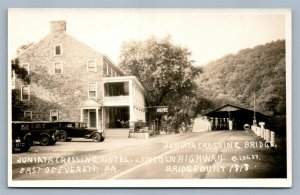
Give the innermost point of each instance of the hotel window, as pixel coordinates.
(104, 68)
(92, 90)
(112, 72)
(109, 71)
(91, 66)
(25, 93)
(28, 115)
(54, 115)
(58, 49)
(58, 67)
(26, 67)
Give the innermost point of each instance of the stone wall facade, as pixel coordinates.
(65, 90)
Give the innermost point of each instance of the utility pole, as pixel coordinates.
(254, 115)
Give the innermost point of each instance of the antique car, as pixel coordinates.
(21, 136)
(44, 132)
(69, 130)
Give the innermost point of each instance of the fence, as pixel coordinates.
(265, 134)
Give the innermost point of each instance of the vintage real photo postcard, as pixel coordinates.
(149, 97)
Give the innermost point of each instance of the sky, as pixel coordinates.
(208, 33)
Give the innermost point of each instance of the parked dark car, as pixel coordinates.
(44, 132)
(69, 130)
(21, 136)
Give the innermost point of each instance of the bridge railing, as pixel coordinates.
(265, 134)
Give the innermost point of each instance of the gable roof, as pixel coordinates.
(74, 39)
(231, 108)
(90, 104)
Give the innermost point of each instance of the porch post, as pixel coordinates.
(131, 111)
(102, 116)
(97, 119)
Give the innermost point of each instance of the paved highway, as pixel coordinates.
(204, 155)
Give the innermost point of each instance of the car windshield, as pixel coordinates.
(70, 125)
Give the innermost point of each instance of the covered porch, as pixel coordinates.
(91, 114)
(116, 117)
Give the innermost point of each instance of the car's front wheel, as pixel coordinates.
(96, 137)
(45, 140)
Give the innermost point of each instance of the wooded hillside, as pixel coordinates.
(237, 78)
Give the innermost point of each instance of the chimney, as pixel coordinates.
(58, 26)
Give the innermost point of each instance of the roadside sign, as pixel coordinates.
(162, 109)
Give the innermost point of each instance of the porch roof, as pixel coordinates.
(91, 104)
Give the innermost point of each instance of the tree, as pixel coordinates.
(165, 70)
(20, 72)
(235, 79)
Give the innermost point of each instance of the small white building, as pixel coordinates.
(123, 101)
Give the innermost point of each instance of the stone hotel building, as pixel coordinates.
(74, 82)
